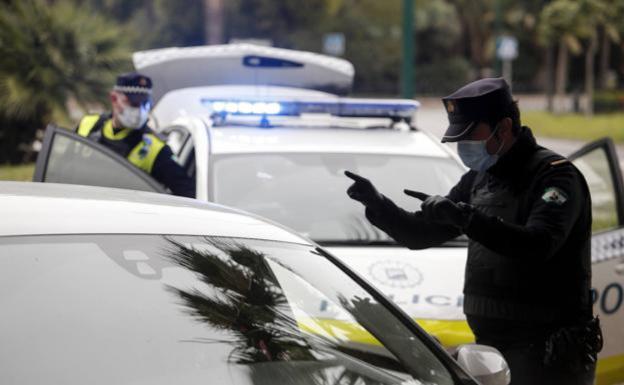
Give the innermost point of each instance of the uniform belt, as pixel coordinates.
(505, 309)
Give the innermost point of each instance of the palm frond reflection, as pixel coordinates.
(246, 301)
(240, 296)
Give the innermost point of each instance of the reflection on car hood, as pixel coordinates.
(426, 284)
(48, 208)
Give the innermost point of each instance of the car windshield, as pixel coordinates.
(135, 309)
(307, 192)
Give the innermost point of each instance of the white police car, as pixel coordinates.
(254, 138)
(110, 286)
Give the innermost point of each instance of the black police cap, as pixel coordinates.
(137, 87)
(484, 100)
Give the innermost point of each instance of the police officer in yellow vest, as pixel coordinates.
(125, 131)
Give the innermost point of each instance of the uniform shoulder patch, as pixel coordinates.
(554, 195)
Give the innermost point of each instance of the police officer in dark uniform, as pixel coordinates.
(527, 214)
(125, 131)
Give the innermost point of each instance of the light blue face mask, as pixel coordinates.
(474, 153)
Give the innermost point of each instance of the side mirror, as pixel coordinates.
(484, 363)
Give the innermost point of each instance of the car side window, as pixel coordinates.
(596, 165)
(67, 158)
(180, 140)
(177, 136)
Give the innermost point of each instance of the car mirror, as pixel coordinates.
(485, 363)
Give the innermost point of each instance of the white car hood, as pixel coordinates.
(426, 284)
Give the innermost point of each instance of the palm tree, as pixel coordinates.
(573, 22)
(612, 31)
(55, 52)
(477, 18)
(559, 24)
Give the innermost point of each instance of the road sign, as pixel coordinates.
(334, 44)
(507, 47)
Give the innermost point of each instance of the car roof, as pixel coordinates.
(383, 141)
(31, 208)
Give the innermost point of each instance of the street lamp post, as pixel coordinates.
(407, 71)
(498, 31)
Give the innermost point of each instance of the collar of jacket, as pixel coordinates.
(513, 164)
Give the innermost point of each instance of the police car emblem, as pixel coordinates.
(395, 274)
(554, 195)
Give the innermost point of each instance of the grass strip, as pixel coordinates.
(22, 172)
(575, 126)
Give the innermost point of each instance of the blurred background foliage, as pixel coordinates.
(59, 58)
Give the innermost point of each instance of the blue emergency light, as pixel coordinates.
(343, 107)
(245, 108)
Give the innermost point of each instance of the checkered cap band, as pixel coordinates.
(133, 89)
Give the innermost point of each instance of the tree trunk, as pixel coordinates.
(589, 75)
(562, 74)
(476, 35)
(605, 55)
(550, 78)
(475, 46)
(213, 21)
(621, 61)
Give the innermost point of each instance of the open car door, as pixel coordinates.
(67, 157)
(598, 162)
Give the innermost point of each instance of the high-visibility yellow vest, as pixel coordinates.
(143, 155)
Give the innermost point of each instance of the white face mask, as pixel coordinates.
(133, 117)
(474, 154)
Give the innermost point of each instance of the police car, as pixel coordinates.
(110, 286)
(270, 131)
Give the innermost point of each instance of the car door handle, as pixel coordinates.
(619, 269)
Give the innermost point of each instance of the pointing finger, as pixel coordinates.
(416, 194)
(355, 177)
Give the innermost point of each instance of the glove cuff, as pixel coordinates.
(467, 211)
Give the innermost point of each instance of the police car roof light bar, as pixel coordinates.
(398, 109)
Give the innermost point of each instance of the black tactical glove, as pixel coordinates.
(363, 191)
(442, 210)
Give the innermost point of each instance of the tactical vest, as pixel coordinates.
(507, 288)
(100, 128)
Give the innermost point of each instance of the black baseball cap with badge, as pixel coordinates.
(484, 100)
(137, 87)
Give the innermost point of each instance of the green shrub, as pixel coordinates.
(609, 101)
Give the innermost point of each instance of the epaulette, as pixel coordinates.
(559, 162)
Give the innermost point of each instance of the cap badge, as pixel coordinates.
(450, 106)
(142, 82)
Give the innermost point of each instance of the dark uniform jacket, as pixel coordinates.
(529, 240)
(141, 147)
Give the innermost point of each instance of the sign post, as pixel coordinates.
(407, 68)
(507, 51)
